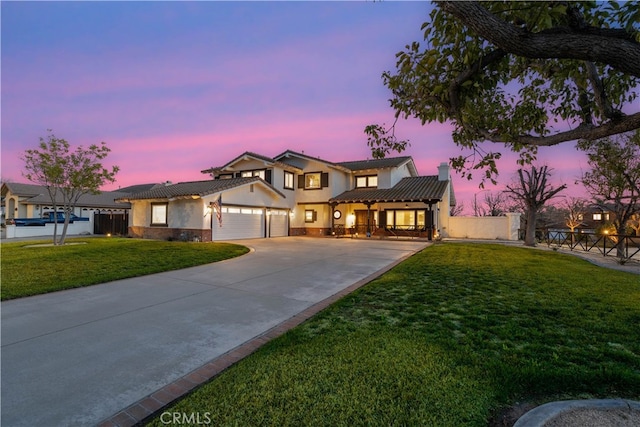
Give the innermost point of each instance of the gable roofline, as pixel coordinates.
(197, 189)
(384, 163)
(291, 153)
(268, 161)
(23, 190)
(358, 165)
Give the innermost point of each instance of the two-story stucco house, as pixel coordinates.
(254, 196)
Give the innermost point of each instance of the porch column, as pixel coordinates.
(368, 204)
(430, 219)
(333, 219)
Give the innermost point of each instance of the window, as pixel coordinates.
(312, 180)
(366, 181)
(406, 219)
(159, 214)
(288, 180)
(310, 215)
(597, 217)
(248, 174)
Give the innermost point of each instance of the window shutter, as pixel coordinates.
(429, 218)
(267, 176)
(315, 216)
(382, 219)
(300, 181)
(324, 180)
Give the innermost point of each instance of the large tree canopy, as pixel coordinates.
(521, 73)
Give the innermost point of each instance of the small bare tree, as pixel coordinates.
(533, 190)
(576, 209)
(494, 204)
(457, 209)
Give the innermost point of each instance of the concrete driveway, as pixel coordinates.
(76, 358)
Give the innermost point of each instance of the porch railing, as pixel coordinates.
(621, 246)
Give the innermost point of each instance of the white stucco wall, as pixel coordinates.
(396, 175)
(78, 227)
(484, 227)
(255, 195)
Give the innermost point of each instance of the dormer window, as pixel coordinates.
(262, 173)
(368, 181)
(249, 174)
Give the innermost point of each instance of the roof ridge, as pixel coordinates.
(374, 160)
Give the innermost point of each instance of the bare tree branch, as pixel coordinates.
(584, 44)
(585, 131)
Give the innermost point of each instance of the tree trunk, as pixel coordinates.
(621, 231)
(67, 217)
(55, 224)
(530, 233)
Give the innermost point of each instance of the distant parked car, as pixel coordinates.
(47, 218)
(60, 217)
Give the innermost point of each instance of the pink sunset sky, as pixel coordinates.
(177, 87)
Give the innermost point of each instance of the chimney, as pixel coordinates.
(443, 172)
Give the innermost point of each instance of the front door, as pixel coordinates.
(362, 222)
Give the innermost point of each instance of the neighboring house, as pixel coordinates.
(104, 214)
(32, 201)
(254, 196)
(597, 216)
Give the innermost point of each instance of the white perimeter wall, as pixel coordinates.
(78, 227)
(484, 227)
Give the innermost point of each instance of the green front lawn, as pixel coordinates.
(29, 269)
(451, 337)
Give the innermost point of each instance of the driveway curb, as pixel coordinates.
(160, 399)
(554, 411)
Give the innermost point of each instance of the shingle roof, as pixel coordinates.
(105, 199)
(185, 190)
(411, 189)
(23, 189)
(38, 195)
(137, 188)
(390, 162)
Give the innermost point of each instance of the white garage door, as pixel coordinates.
(279, 226)
(239, 223)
